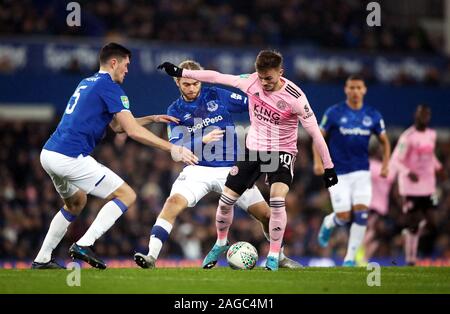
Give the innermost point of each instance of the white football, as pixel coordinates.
(242, 255)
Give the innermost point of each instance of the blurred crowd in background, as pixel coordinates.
(28, 202)
(323, 23)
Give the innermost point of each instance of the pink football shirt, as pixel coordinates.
(380, 187)
(274, 116)
(415, 153)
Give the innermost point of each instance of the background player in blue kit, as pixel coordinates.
(205, 115)
(348, 126)
(97, 102)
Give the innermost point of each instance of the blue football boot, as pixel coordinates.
(324, 235)
(213, 256)
(86, 254)
(272, 263)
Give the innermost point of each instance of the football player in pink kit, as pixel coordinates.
(417, 165)
(275, 107)
(379, 204)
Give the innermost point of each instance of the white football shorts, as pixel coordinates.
(352, 188)
(194, 182)
(71, 174)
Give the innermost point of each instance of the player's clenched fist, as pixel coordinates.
(181, 153)
(171, 69)
(330, 177)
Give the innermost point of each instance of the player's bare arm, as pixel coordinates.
(384, 141)
(143, 121)
(144, 136)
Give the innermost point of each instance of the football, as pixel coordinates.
(242, 255)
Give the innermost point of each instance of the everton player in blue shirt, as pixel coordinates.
(207, 128)
(97, 102)
(348, 126)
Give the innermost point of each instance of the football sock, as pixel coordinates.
(224, 218)
(56, 232)
(159, 234)
(356, 236)
(106, 217)
(332, 220)
(277, 225)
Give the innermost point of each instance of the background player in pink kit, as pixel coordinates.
(417, 165)
(275, 107)
(379, 204)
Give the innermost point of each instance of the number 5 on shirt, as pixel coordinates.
(71, 107)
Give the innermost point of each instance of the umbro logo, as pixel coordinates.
(221, 221)
(256, 94)
(276, 229)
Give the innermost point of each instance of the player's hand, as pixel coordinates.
(213, 136)
(330, 177)
(181, 153)
(163, 118)
(384, 171)
(413, 177)
(318, 169)
(171, 69)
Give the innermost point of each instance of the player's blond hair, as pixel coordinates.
(189, 65)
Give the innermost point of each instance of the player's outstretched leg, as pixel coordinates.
(277, 226)
(261, 212)
(224, 218)
(122, 198)
(160, 232)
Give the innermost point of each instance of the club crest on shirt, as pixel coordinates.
(367, 121)
(282, 105)
(212, 106)
(125, 101)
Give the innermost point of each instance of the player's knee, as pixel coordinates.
(174, 203)
(344, 216)
(131, 196)
(76, 204)
(126, 194)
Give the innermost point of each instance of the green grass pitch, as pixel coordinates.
(225, 280)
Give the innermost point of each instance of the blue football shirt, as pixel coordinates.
(88, 113)
(213, 108)
(348, 134)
